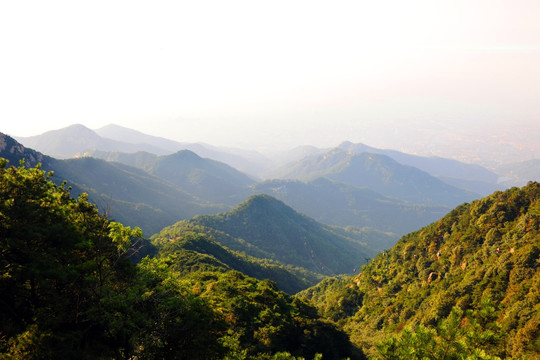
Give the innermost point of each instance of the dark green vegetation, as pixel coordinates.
(191, 251)
(69, 290)
(467, 285)
(76, 284)
(129, 195)
(265, 227)
(206, 179)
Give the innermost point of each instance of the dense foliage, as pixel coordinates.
(130, 195)
(486, 249)
(76, 284)
(62, 266)
(189, 252)
(69, 290)
(265, 227)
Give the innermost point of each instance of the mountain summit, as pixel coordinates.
(74, 139)
(377, 172)
(263, 226)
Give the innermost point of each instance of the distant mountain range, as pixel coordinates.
(130, 195)
(340, 204)
(518, 174)
(352, 185)
(377, 172)
(327, 201)
(207, 179)
(470, 177)
(75, 140)
(67, 142)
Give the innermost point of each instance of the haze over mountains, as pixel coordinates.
(352, 185)
(310, 227)
(265, 227)
(377, 172)
(75, 140)
(247, 180)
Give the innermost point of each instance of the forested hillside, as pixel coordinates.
(468, 284)
(78, 283)
(127, 194)
(206, 179)
(192, 251)
(69, 291)
(265, 227)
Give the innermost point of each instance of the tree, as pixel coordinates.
(461, 336)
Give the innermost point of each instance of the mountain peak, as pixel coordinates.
(263, 202)
(186, 154)
(356, 148)
(75, 129)
(271, 226)
(345, 143)
(121, 133)
(14, 151)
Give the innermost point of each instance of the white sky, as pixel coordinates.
(268, 72)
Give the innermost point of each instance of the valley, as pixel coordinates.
(343, 251)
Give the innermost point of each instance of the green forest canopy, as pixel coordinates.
(465, 287)
(479, 263)
(69, 290)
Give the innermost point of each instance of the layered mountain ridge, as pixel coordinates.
(377, 172)
(265, 227)
(464, 285)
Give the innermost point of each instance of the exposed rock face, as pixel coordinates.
(14, 152)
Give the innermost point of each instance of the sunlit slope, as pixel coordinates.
(265, 227)
(188, 252)
(490, 247)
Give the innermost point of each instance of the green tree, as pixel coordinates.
(70, 291)
(461, 336)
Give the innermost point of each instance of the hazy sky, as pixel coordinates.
(262, 72)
